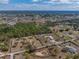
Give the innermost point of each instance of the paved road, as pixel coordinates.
(12, 54)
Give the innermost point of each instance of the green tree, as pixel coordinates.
(76, 56)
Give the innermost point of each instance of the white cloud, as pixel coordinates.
(35, 0)
(58, 1)
(48, 6)
(64, 1)
(4, 1)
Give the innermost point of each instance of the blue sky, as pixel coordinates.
(39, 5)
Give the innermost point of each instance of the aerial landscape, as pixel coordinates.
(39, 29)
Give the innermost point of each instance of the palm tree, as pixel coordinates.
(68, 56)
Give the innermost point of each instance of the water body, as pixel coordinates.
(39, 12)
